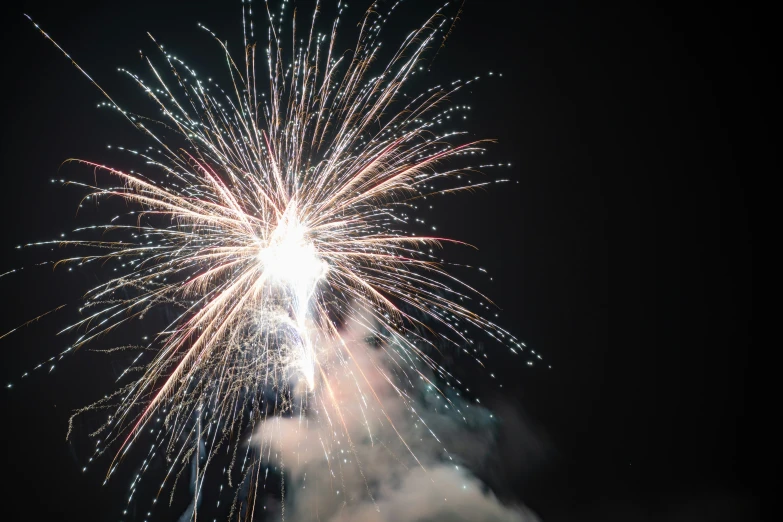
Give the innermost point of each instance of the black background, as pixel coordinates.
(623, 253)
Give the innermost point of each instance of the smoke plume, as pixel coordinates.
(369, 450)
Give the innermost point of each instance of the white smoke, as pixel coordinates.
(375, 452)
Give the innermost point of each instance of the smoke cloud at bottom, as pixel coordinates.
(370, 450)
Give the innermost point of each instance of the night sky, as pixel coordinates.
(620, 251)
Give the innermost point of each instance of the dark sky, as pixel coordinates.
(622, 254)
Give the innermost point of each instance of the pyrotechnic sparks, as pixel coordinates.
(268, 211)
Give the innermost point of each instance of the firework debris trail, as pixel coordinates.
(269, 211)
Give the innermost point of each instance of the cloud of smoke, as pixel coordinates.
(371, 451)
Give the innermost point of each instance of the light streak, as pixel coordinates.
(268, 211)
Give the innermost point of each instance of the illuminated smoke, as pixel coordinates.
(385, 463)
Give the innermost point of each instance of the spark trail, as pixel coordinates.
(268, 212)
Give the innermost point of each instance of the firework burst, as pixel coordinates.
(268, 212)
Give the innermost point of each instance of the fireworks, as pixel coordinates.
(267, 212)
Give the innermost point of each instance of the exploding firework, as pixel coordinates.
(268, 212)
